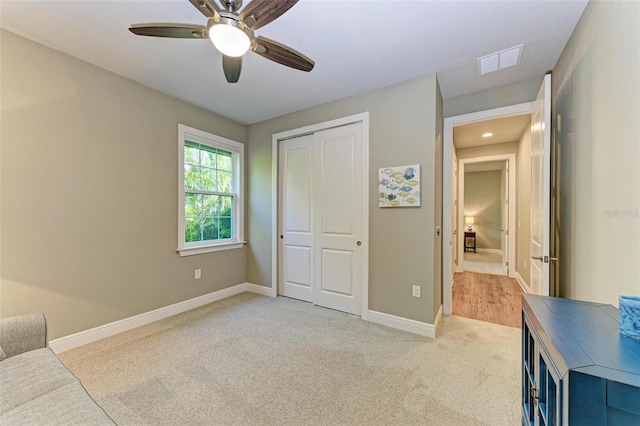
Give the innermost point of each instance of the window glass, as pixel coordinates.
(210, 190)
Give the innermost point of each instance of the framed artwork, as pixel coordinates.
(399, 186)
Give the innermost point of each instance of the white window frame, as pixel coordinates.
(237, 150)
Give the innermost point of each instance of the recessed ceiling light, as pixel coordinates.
(487, 135)
(500, 60)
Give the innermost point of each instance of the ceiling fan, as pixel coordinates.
(231, 32)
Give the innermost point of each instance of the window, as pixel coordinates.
(210, 186)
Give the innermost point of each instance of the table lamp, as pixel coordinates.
(469, 222)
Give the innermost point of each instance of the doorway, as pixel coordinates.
(320, 253)
(487, 189)
(454, 223)
(534, 253)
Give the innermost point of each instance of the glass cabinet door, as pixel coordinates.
(549, 392)
(528, 376)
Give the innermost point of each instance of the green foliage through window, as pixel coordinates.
(209, 198)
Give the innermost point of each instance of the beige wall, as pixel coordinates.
(402, 245)
(482, 200)
(88, 181)
(523, 204)
(89, 193)
(509, 94)
(596, 107)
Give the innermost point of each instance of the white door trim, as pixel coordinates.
(511, 159)
(276, 138)
(447, 184)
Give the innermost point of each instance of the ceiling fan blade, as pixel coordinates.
(282, 54)
(232, 68)
(206, 7)
(259, 13)
(170, 30)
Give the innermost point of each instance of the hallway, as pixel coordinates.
(483, 263)
(491, 298)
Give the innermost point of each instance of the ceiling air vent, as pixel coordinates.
(500, 60)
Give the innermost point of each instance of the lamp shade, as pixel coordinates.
(229, 40)
(468, 220)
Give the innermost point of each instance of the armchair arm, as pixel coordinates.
(23, 333)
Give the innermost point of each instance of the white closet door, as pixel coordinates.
(295, 267)
(337, 224)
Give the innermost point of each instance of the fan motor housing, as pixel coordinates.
(231, 5)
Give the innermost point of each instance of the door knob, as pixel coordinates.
(359, 243)
(545, 259)
(282, 237)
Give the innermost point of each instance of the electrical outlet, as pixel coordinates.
(197, 274)
(415, 291)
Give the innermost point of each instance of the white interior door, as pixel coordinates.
(454, 217)
(504, 219)
(295, 269)
(540, 188)
(338, 191)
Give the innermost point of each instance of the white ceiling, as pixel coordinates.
(505, 129)
(357, 46)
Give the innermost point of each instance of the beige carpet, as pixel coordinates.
(253, 360)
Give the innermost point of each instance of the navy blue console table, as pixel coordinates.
(577, 369)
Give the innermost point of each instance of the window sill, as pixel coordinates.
(191, 251)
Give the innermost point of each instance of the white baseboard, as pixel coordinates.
(87, 336)
(405, 324)
(81, 338)
(260, 289)
(487, 250)
(522, 283)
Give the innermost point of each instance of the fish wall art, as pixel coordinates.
(399, 186)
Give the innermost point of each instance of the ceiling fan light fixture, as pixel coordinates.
(231, 33)
(229, 37)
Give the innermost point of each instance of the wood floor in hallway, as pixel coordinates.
(491, 298)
